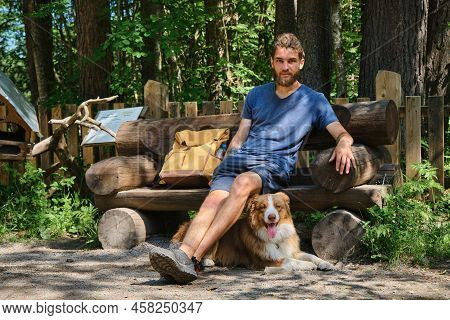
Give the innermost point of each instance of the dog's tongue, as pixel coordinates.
(272, 230)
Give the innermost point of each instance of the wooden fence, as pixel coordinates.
(388, 86)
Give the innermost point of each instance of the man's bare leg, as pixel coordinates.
(202, 221)
(243, 186)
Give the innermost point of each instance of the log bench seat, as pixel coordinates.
(303, 198)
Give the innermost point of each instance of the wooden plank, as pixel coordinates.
(118, 105)
(57, 115)
(388, 85)
(209, 108)
(424, 111)
(341, 101)
(226, 107)
(3, 126)
(156, 98)
(240, 105)
(436, 135)
(190, 109)
(44, 159)
(363, 99)
(303, 198)
(412, 136)
(73, 136)
(88, 152)
(174, 110)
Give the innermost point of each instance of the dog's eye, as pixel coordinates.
(262, 206)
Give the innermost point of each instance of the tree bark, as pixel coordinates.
(152, 64)
(39, 43)
(393, 38)
(438, 50)
(285, 16)
(338, 51)
(215, 45)
(92, 25)
(314, 31)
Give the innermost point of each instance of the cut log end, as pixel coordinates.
(336, 234)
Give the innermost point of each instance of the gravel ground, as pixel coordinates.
(61, 270)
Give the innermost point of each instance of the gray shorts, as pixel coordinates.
(274, 170)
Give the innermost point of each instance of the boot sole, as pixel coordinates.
(171, 269)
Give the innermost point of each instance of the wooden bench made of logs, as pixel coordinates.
(121, 185)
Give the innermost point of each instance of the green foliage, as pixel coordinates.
(29, 211)
(413, 226)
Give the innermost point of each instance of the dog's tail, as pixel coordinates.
(179, 235)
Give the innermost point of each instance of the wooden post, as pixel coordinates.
(103, 151)
(3, 126)
(389, 86)
(4, 177)
(190, 109)
(341, 101)
(436, 135)
(174, 110)
(56, 114)
(73, 138)
(363, 99)
(303, 159)
(209, 108)
(240, 106)
(44, 128)
(88, 152)
(117, 105)
(156, 98)
(226, 107)
(412, 141)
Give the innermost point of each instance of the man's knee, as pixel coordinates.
(215, 198)
(246, 184)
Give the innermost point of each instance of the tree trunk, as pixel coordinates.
(393, 38)
(215, 45)
(285, 16)
(338, 51)
(39, 42)
(314, 31)
(152, 64)
(438, 50)
(93, 25)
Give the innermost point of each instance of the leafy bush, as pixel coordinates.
(413, 226)
(30, 209)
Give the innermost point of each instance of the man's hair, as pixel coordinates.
(288, 40)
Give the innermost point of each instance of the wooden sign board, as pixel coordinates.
(112, 119)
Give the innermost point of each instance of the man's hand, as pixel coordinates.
(343, 155)
(343, 151)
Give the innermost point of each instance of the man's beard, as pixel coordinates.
(285, 82)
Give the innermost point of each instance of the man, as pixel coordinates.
(261, 156)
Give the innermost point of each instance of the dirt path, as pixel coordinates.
(57, 271)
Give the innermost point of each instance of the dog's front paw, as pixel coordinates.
(325, 266)
(206, 262)
(298, 265)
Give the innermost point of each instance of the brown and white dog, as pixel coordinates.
(265, 237)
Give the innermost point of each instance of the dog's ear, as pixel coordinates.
(250, 203)
(283, 196)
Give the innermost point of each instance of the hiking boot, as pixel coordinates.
(173, 265)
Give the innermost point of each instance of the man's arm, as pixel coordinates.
(343, 151)
(241, 135)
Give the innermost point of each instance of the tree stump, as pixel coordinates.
(124, 228)
(336, 234)
(368, 161)
(116, 174)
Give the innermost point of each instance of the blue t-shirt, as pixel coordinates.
(279, 126)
